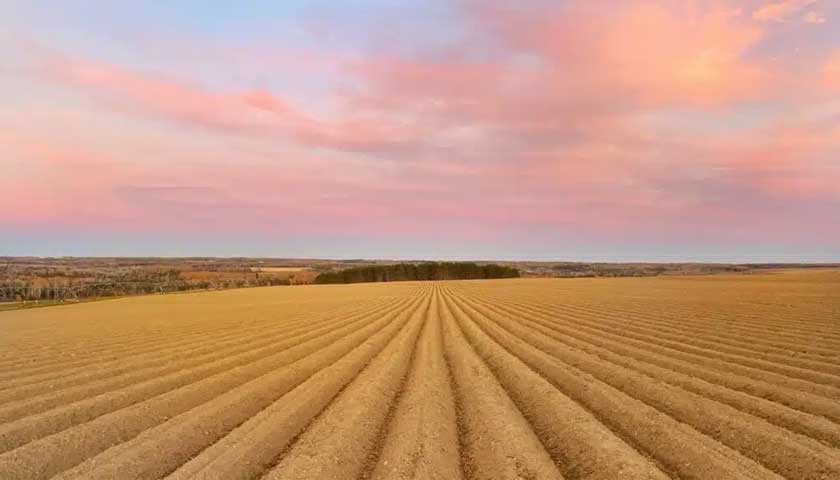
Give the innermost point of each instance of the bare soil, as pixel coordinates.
(713, 377)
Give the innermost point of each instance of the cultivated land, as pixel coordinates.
(714, 377)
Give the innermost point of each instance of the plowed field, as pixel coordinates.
(715, 377)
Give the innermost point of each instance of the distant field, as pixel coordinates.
(280, 269)
(713, 377)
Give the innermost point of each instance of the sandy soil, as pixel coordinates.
(716, 377)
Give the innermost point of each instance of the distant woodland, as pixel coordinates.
(605, 269)
(50, 280)
(32, 281)
(419, 271)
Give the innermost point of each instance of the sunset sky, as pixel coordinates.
(588, 130)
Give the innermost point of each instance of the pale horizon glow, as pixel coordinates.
(640, 130)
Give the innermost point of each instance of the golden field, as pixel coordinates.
(713, 377)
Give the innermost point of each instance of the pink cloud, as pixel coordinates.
(645, 52)
(831, 71)
(256, 112)
(668, 57)
(781, 11)
(814, 17)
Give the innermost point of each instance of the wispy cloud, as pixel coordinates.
(788, 10)
(251, 112)
(814, 17)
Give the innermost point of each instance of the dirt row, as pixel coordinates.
(174, 369)
(798, 378)
(182, 437)
(705, 314)
(792, 409)
(724, 337)
(145, 344)
(105, 426)
(787, 453)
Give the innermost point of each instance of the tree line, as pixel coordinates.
(135, 282)
(417, 271)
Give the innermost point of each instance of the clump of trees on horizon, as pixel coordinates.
(418, 271)
(28, 283)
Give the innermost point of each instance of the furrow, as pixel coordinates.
(787, 453)
(73, 446)
(754, 347)
(581, 445)
(32, 427)
(101, 380)
(188, 434)
(252, 447)
(756, 324)
(62, 368)
(498, 442)
(792, 409)
(422, 437)
(338, 442)
(680, 449)
(728, 363)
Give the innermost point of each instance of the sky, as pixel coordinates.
(690, 130)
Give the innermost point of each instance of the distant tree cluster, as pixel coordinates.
(580, 269)
(418, 271)
(33, 284)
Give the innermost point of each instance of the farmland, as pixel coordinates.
(731, 376)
